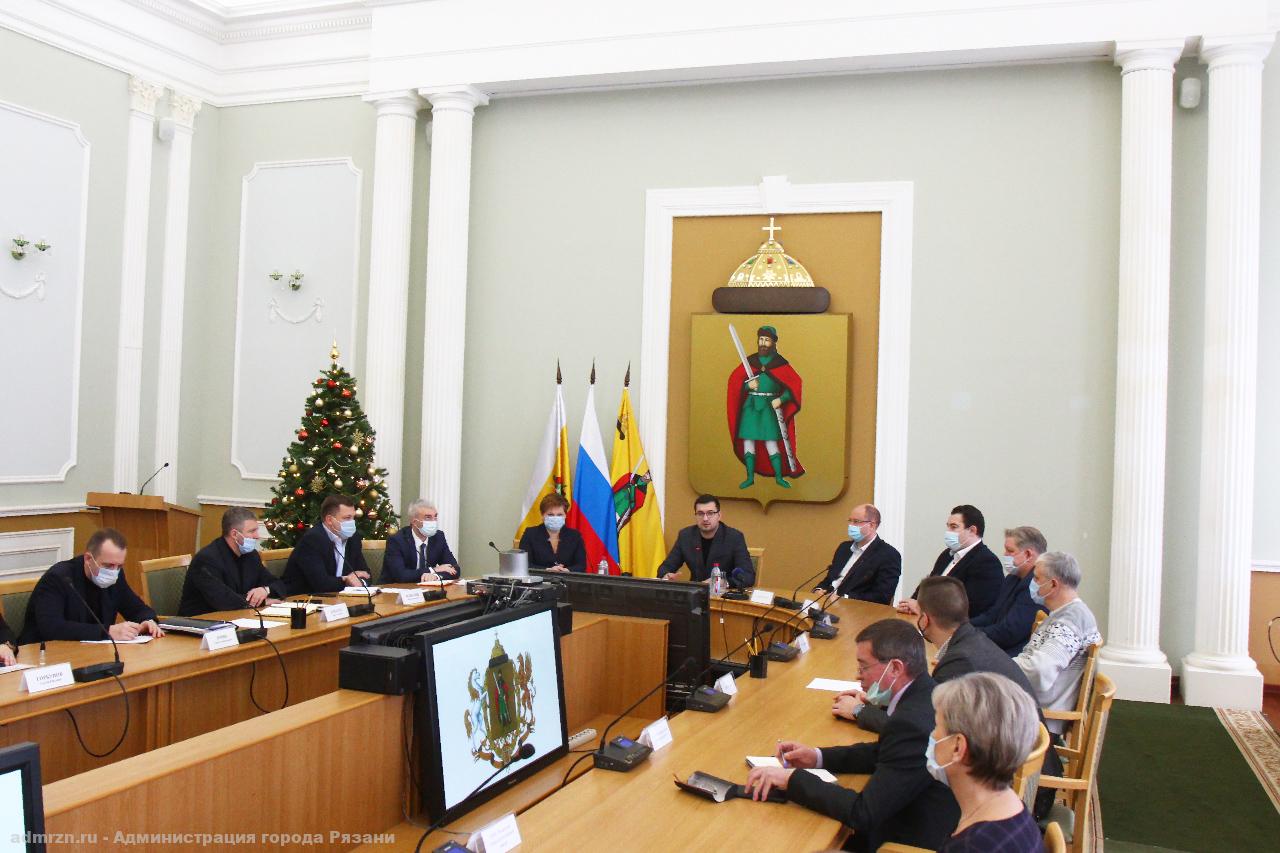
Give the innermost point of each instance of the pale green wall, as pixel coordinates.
(42, 78)
(1266, 531)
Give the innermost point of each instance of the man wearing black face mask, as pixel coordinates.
(54, 612)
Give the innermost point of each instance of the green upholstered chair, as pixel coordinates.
(162, 581)
(375, 550)
(275, 559)
(13, 602)
(757, 563)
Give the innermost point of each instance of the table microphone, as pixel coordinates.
(363, 609)
(95, 671)
(147, 482)
(527, 750)
(755, 624)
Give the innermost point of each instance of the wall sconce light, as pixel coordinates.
(295, 278)
(20, 244)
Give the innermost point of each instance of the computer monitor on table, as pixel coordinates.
(21, 803)
(492, 685)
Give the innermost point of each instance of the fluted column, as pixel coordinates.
(448, 213)
(1220, 672)
(133, 281)
(182, 112)
(1132, 653)
(389, 279)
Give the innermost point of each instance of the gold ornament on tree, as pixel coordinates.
(317, 484)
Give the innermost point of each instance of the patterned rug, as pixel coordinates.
(1259, 744)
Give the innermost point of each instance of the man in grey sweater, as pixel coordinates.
(1054, 657)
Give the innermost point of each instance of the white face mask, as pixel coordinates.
(1009, 567)
(553, 522)
(105, 576)
(428, 528)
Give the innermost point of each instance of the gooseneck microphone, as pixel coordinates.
(362, 609)
(95, 671)
(147, 482)
(494, 547)
(527, 750)
(755, 624)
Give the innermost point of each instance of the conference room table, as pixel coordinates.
(175, 690)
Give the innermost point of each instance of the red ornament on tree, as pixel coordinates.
(299, 491)
(337, 445)
(300, 526)
(333, 384)
(302, 433)
(324, 422)
(346, 392)
(275, 501)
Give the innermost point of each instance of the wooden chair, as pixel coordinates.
(1026, 781)
(275, 559)
(14, 595)
(1053, 840)
(375, 551)
(162, 581)
(1075, 733)
(1079, 790)
(757, 562)
(1040, 617)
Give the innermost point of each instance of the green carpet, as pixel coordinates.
(1171, 777)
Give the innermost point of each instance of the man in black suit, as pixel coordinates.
(1010, 620)
(418, 552)
(865, 567)
(56, 612)
(708, 544)
(967, 559)
(328, 557)
(901, 801)
(227, 574)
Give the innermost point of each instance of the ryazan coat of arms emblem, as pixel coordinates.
(500, 716)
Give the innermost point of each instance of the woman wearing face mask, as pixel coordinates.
(985, 728)
(551, 545)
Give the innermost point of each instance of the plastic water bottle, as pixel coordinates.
(717, 581)
(603, 568)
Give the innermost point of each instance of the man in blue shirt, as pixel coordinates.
(1008, 622)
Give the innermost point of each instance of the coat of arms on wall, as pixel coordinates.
(787, 385)
(500, 716)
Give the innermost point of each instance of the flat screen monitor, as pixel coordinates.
(493, 686)
(21, 803)
(399, 630)
(685, 606)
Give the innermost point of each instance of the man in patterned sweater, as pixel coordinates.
(1054, 657)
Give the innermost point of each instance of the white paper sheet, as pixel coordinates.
(253, 623)
(136, 641)
(15, 667)
(833, 685)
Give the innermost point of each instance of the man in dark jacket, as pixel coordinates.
(1008, 622)
(967, 559)
(708, 544)
(67, 596)
(328, 557)
(901, 801)
(227, 574)
(418, 552)
(865, 567)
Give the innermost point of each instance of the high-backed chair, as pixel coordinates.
(14, 595)
(1079, 789)
(1053, 840)
(757, 562)
(375, 551)
(162, 581)
(1075, 732)
(1026, 781)
(1040, 617)
(275, 559)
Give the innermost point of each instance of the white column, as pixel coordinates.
(182, 116)
(1131, 654)
(1220, 672)
(448, 215)
(389, 280)
(133, 281)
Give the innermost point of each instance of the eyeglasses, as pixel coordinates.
(712, 513)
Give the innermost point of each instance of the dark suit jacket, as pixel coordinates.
(55, 613)
(873, 578)
(980, 572)
(313, 565)
(400, 565)
(217, 579)
(572, 554)
(728, 548)
(901, 801)
(1009, 621)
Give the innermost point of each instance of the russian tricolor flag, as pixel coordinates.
(592, 512)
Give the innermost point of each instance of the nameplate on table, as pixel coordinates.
(45, 678)
(726, 684)
(656, 735)
(410, 596)
(334, 612)
(498, 837)
(804, 608)
(761, 596)
(223, 638)
(801, 642)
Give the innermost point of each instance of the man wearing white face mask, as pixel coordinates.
(228, 574)
(418, 552)
(967, 559)
(329, 556)
(1009, 621)
(55, 612)
(865, 566)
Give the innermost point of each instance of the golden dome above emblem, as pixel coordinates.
(770, 266)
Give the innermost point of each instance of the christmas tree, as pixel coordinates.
(332, 454)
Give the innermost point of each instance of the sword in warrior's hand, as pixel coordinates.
(777, 413)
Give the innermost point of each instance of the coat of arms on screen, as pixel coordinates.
(500, 717)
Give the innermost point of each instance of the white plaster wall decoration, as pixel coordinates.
(44, 184)
(305, 215)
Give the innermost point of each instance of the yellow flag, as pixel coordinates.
(551, 469)
(635, 502)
